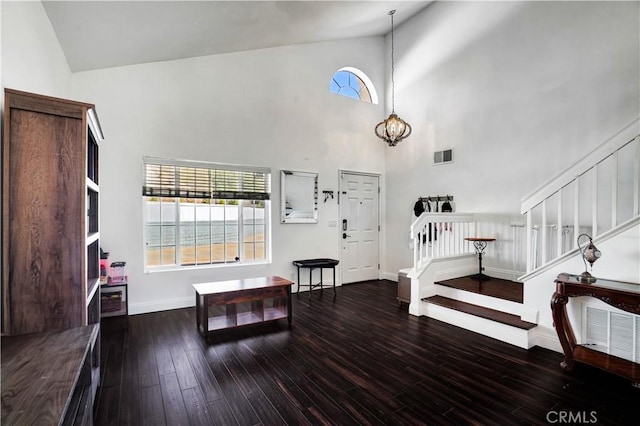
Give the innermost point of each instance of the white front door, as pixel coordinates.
(360, 230)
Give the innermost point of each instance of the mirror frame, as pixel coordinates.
(312, 216)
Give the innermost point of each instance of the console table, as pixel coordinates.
(228, 304)
(622, 295)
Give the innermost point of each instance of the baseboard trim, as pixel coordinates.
(161, 305)
(545, 339)
(505, 274)
(390, 276)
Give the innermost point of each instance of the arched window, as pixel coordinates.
(353, 83)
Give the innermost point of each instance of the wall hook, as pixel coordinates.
(327, 194)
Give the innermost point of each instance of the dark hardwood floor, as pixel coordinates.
(356, 358)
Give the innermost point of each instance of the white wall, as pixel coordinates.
(547, 81)
(267, 107)
(32, 59)
(518, 90)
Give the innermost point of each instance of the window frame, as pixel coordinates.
(373, 94)
(177, 266)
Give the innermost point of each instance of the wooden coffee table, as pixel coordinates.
(228, 304)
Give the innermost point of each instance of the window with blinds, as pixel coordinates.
(204, 213)
(169, 180)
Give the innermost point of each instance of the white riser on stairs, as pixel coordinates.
(507, 306)
(505, 333)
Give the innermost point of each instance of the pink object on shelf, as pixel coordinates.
(117, 273)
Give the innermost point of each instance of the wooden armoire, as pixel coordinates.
(50, 226)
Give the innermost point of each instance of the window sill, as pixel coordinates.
(153, 270)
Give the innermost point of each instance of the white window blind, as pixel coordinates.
(187, 179)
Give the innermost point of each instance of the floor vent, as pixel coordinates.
(612, 332)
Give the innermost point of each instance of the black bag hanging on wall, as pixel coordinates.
(418, 209)
(433, 235)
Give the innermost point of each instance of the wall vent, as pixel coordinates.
(445, 156)
(613, 332)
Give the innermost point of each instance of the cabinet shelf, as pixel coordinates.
(246, 318)
(92, 186)
(92, 287)
(274, 314)
(619, 366)
(93, 237)
(221, 322)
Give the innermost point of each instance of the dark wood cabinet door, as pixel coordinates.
(46, 241)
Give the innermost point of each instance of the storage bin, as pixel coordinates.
(111, 302)
(118, 274)
(404, 286)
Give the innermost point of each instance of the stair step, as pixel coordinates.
(494, 287)
(481, 311)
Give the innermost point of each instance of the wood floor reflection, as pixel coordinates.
(356, 358)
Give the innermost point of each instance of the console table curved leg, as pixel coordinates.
(563, 328)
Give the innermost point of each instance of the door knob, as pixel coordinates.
(345, 235)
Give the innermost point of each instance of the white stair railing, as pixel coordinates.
(593, 196)
(440, 235)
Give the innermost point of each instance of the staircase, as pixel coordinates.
(598, 195)
(489, 307)
(443, 289)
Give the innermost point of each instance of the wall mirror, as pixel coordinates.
(298, 197)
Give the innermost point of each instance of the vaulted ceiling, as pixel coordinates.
(104, 34)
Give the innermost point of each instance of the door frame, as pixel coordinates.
(380, 232)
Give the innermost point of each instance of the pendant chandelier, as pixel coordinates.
(393, 129)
